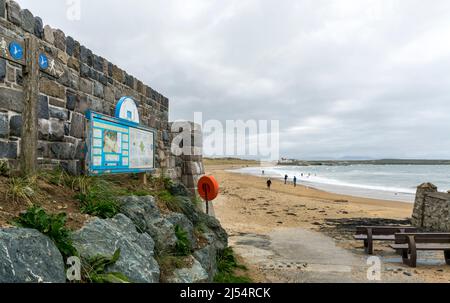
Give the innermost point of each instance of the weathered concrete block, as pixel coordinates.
(73, 63)
(11, 99)
(13, 9)
(8, 150)
(28, 21)
(118, 74)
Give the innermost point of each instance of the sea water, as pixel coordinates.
(389, 182)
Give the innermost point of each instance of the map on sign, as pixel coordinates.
(141, 149)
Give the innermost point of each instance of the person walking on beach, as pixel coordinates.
(269, 184)
(295, 181)
(286, 179)
(263, 172)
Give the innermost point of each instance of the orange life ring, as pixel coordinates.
(208, 188)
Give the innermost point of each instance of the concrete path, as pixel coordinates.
(299, 255)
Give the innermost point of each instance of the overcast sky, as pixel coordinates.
(346, 78)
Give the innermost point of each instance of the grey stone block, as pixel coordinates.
(70, 46)
(86, 55)
(61, 151)
(60, 39)
(43, 112)
(99, 90)
(2, 8)
(8, 150)
(77, 127)
(13, 9)
(43, 129)
(59, 113)
(56, 132)
(28, 21)
(11, 99)
(15, 126)
(4, 125)
(2, 70)
(71, 100)
(38, 27)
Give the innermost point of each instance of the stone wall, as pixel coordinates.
(188, 167)
(431, 209)
(89, 81)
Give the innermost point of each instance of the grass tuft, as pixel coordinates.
(94, 270)
(23, 190)
(227, 266)
(183, 246)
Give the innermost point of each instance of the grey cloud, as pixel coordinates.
(373, 72)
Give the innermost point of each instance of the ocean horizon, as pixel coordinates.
(386, 182)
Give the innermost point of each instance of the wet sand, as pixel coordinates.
(247, 209)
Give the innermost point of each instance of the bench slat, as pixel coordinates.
(424, 246)
(376, 237)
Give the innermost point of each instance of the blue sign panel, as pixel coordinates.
(16, 50)
(118, 146)
(43, 61)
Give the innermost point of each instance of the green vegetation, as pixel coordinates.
(227, 266)
(94, 270)
(100, 199)
(4, 168)
(182, 247)
(52, 226)
(22, 190)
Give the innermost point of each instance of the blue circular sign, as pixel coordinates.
(43, 61)
(16, 50)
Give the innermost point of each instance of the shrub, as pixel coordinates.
(94, 270)
(52, 226)
(227, 265)
(183, 246)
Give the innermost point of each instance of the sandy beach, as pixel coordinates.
(303, 234)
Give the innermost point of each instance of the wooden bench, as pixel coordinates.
(368, 234)
(410, 243)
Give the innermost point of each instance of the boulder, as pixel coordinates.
(207, 256)
(215, 233)
(145, 214)
(183, 222)
(104, 237)
(27, 256)
(193, 274)
(178, 189)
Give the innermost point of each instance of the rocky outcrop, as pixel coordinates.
(207, 256)
(27, 256)
(104, 237)
(193, 274)
(183, 222)
(145, 214)
(431, 209)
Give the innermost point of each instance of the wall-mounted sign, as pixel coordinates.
(16, 50)
(127, 110)
(116, 145)
(43, 61)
